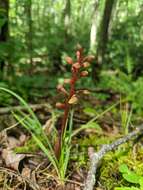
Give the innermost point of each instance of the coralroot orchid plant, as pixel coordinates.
(60, 154)
(78, 70)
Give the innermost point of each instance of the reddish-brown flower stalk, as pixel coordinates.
(71, 97)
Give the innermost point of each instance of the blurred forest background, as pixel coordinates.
(36, 36)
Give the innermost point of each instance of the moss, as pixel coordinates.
(108, 173)
(29, 147)
(95, 140)
(110, 176)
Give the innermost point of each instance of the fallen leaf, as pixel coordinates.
(22, 139)
(12, 142)
(12, 159)
(26, 172)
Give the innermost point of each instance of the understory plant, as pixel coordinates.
(126, 115)
(129, 88)
(78, 70)
(131, 177)
(57, 151)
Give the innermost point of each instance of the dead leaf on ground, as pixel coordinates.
(26, 172)
(12, 159)
(22, 139)
(12, 142)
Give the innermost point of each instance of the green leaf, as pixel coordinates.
(131, 177)
(92, 125)
(141, 182)
(2, 22)
(124, 168)
(126, 188)
(90, 111)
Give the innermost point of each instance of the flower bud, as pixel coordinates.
(84, 73)
(59, 86)
(62, 89)
(67, 81)
(60, 105)
(86, 64)
(89, 58)
(73, 100)
(78, 54)
(76, 65)
(86, 92)
(69, 60)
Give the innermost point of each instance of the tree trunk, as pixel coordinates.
(29, 35)
(67, 19)
(104, 30)
(103, 38)
(94, 26)
(113, 18)
(4, 11)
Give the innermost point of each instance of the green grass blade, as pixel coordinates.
(39, 142)
(65, 152)
(23, 102)
(94, 119)
(27, 124)
(47, 153)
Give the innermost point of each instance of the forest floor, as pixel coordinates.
(23, 166)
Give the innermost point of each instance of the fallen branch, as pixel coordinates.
(6, 110)
(95, 157)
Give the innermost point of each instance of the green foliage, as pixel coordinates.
(32, 124)
(131, 90)
(3, 17)
(29, 146)
(27, 87)
(124, 168)
(90, 111)
(125, 46)
(51, 43)
(93, 124)
(5, 99)
(126, 188)
(126, 115)
(131, 177)
(110, 176)
(34, 53)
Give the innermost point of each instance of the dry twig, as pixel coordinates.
(6, 110)
(95, 157)
(20, 179)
